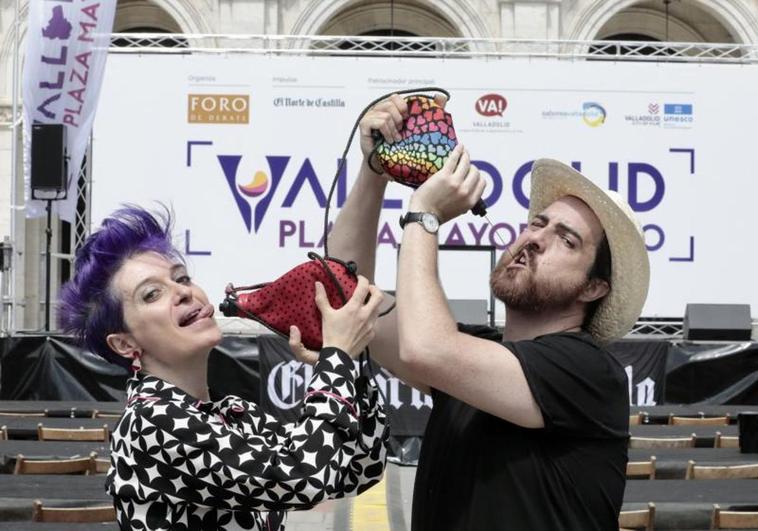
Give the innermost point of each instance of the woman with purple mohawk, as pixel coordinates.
(181, 459)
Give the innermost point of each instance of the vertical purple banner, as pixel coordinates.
(67, 44)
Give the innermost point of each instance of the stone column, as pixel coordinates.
(530, 19)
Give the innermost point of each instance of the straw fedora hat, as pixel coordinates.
(630, 268)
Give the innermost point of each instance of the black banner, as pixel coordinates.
(262, 370)
(284, 380)
(51, 368)
(645, 365)
(713, 373)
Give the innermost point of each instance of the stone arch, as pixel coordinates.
(648, 22)
(736, 18)
(172, 16)
(6, 53)
(463, 20)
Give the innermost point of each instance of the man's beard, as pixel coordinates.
(519, 290)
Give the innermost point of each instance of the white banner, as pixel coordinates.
(66, 49)
(244, 148)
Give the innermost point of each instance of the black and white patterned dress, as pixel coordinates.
(179, 463)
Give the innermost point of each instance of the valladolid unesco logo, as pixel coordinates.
(674, 116)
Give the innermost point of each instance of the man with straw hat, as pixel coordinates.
(529, 427)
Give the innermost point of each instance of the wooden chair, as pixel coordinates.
(102, 513)
(641, 519)
(102, 465)
(662, 442)
(733, 519)
(96, 414)
(3, 433)
(641, 469)
(726, 441)
(698, 421)
(721, 472)
(23, 413)
(73, 434)
(637, 419)
(79, 465)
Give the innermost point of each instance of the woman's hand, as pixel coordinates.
(301, 353)
(351, 328)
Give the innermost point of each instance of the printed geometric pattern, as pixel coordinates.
(428, 137)
(181, 464)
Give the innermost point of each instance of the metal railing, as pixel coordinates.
(180, 43)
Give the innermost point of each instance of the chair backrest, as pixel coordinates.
(102, 513)
(637, 419)
(726, 441)
(733, 519)
(662, 442)
(79, 465)
(23, 413)
(73, 434)
(641, 469)
(96, 414)
(699, 421)
(721, 472)
(641, 519)
(102, 465)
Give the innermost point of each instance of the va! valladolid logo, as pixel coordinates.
(491, 107)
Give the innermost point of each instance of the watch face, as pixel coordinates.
(430, 222)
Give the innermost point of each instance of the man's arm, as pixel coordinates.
(353, 236)
(479, 372)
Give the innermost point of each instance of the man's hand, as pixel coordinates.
(451, 191)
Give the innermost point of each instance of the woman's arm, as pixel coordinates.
(243, 459)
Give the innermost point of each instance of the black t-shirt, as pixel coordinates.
(479, 472)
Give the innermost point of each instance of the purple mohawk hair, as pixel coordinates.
(88, 308)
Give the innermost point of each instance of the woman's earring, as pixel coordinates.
(136, 361)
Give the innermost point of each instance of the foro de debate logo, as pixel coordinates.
(218, 108)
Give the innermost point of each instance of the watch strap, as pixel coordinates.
(410, 217)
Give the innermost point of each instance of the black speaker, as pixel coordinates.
(718, 322)
(49, 167)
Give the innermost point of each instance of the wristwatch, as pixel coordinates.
(429, 221)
